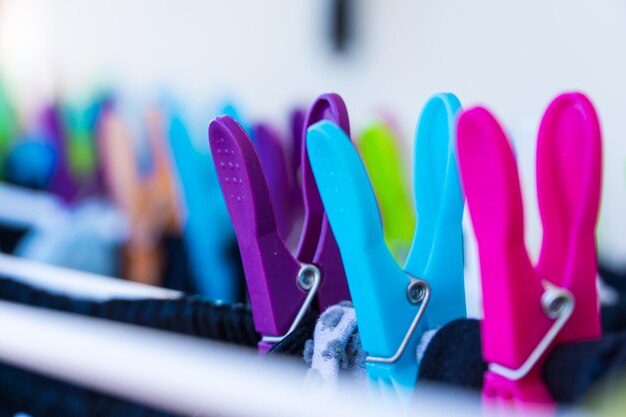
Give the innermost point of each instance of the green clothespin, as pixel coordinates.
(81, 125)
(8, 123)
(383, 162)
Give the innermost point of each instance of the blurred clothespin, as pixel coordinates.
(8, 123)
(62, 182)
(379, 150)
(208, 231)
(148, 201)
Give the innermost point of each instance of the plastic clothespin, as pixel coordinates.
(30, 161)
(8, 123)
(62, 182)
(147, 200)
(272, 155)
(281, 286)
(80, 122)
(395, 306)
(381, 156)
(528, 311)
(208, 231)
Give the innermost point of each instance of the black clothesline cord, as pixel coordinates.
(189, 315)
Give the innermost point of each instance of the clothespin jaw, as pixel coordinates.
(208, 231)
(384, 298)
(527, 311)
(569, 177)
(317, 243)
(272, 156)
(436, 254)
(379, 149)
(296, 124)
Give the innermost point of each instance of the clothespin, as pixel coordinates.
(394, 307)
(379, 150)
(8, 123)
(30, 161)
(529, 310)
(282, 286)
(62, 182)
(208, 231)
(81, 121)
(147, 201)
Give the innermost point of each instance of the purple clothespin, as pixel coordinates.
(62, 182)
(281, 286)
(317, 240)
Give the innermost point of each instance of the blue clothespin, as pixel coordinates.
(30, 161)
(208, 231)
(395, 307)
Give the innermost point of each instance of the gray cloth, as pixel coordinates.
(335, 350)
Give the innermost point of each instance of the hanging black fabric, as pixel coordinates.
(191, 315)
(454, 356)
(40, 396)
(177, 275)
(614, 315)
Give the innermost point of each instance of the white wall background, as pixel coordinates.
(512, 56)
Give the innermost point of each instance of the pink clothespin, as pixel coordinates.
(529, 310)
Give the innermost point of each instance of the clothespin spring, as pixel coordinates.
(309, 278)
(418, 291)
(557, 303)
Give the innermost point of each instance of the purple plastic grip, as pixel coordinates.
(271, 271)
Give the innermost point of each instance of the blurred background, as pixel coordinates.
(264, 58)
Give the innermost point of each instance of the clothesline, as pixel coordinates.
(184, 375)
(76, 283)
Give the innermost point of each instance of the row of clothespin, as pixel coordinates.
(153, 171)
(162, 178)
(345, 251)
